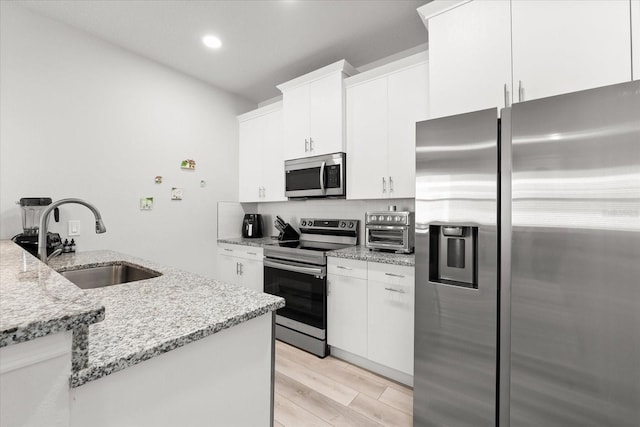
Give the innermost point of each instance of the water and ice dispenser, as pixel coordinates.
(453, 257)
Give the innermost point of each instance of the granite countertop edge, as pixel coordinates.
(362, 253)
(96, 371)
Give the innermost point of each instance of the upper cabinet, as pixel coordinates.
(313, 111)
(383, 106)
(485, 54)
(566, 46)
(469, 58)
(261, 166)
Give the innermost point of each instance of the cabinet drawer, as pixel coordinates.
(347, 267)
(391, 274)
(240, 251)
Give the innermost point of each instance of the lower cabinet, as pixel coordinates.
(370, 313)
(347, 305)
(390, 316)
(241, 265)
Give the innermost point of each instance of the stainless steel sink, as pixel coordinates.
(108, 275)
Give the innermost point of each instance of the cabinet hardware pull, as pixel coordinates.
(264, 192)
(310, 144)
(306, 145)
(237, 268)
(343, 268)
(390, 185)
(240, 264)
(520, 91)
(400, 291)
(252, 253)
(228, 250)
(384, 185)
(506, 96)
(394, 275)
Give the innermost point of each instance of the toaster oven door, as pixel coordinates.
(389, 237)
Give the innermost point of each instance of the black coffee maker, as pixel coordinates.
(252, 226)
(32, 209)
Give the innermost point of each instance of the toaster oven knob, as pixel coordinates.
(398, 218)
(343, 224)
(350, 225)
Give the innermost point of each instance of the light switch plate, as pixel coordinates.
(73, 228)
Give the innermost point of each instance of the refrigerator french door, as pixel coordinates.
(456, 325)
(528, 267)
(575, 259)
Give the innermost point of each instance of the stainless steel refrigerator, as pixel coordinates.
(528, 264)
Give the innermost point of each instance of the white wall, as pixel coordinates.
(82, 118)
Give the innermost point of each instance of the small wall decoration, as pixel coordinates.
(188, 164)
(158, 179)
(146, 203)
(176, 193)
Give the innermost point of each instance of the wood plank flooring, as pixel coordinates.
(310, 391)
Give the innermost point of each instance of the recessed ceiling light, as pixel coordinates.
(212, 42)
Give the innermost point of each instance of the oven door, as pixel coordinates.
(388, 237)
(304, 288)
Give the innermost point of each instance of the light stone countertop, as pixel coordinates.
(142, 319)
(243, 241)
(364, 254)
(36, 301)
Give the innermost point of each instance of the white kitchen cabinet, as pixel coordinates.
(383, 106)
(566, 46)
(469, 57)
(390, 316)
(241, 265)
(485, 54)
(347, 305)
(313, 111)
(261, 157)
(34, 382)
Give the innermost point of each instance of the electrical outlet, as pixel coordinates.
(74, 228)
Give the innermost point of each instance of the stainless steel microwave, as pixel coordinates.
(317, 176)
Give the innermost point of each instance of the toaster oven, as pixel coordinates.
(390, 231)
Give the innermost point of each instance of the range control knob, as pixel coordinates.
(303, 223)
(343, 224)
(372, 218)
(389, 218)
(351, 225)
(310, 223)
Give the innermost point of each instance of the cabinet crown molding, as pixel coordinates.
(260, 111)
(437, 7)
(342, 66)
(386, 69)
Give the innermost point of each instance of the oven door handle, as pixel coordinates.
(322, 176)
(319, 272)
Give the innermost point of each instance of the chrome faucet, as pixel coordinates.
(42, 231)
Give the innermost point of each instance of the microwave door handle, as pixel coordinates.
(322, 176)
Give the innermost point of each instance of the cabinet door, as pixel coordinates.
(347, 314)
(367, 140)
(251, 274)
(407, 93)
(250, 159)
(390, 324)
(326, 115)
(295, 110)
(566, 46)
(227, 269)
(470, 57)
(272, 158)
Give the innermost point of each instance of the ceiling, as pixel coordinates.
(265, 42)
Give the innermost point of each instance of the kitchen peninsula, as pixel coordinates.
(178, 349)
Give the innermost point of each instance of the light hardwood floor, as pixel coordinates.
(310, 391)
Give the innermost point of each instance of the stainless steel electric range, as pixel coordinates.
(297, 272)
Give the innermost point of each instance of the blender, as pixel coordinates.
(32, 208)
